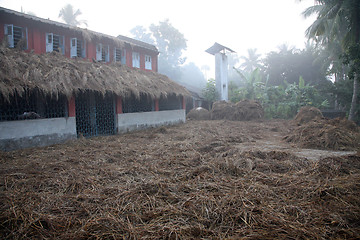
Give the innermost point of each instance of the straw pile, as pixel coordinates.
(243, 110)
(334, 134)
(198, 114)
(184, 182)
(53, 73)
(314, 131)
(306, 114)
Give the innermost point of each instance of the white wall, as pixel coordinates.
(136, 121)
(37, 132)
(43, 132)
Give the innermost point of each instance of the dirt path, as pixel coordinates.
(271, 139)
(261, 136)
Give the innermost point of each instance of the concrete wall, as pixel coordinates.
(137, 121)
(221, 75)
(42, 132)
(38, 132)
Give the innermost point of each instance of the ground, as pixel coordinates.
(203, 179)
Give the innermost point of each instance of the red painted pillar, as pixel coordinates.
(157, 105)
(183, 103)
(119, 109)
(71, 107)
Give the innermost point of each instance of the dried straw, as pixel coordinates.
(53, 73)
(184, 182)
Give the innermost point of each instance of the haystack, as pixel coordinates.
(222, 110)
(54, 74)
(246, 110)
(334, 134)
(306, 114)
(198, 114)
(243, 110)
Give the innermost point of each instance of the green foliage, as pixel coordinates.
(281, 101)
(234, 92)
(253, 84)
(288, 64)
(171, 44)
(209, 92)
(339, 22)
(352, 58)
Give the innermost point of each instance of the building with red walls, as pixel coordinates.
(41, 36)
(89, 109)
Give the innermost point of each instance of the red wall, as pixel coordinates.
(90, 50)
(37, 40)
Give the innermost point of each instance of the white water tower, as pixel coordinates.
(221, 68)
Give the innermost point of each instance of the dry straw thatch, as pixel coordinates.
(243, 110)
(55, 74)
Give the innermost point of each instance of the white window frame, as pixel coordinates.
(107, 53)
(136, 60)
(98, 52)
(73, 49)
(10, 36)
(148, 62)
(49, 45)
(62, 45)
(123, 56)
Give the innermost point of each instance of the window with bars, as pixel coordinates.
(120, 55)
(132, 104)
(171, 102)
(32, 105)
(16, 36)
(102, 53)
(77, 48)
(55, 43)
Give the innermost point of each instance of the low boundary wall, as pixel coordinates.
(137, 121)
(37, 132)
(43, 132)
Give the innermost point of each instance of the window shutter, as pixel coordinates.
(136, 59)
(98, 52)
(107, 54)
(73, 47)
(148, 62)
(61, 44)
(9, 32)
(123, 57)
(49, 42)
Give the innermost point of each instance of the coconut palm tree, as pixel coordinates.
(337, 20)
(252, 61)
(68, 15)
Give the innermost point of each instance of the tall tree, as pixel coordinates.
(287, 65)
(142, 34)
(338, 20)
(252, 61)
(171, 44)
(69, 16)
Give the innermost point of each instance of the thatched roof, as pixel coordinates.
(53, 73)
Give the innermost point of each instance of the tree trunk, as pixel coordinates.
(354, 98)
